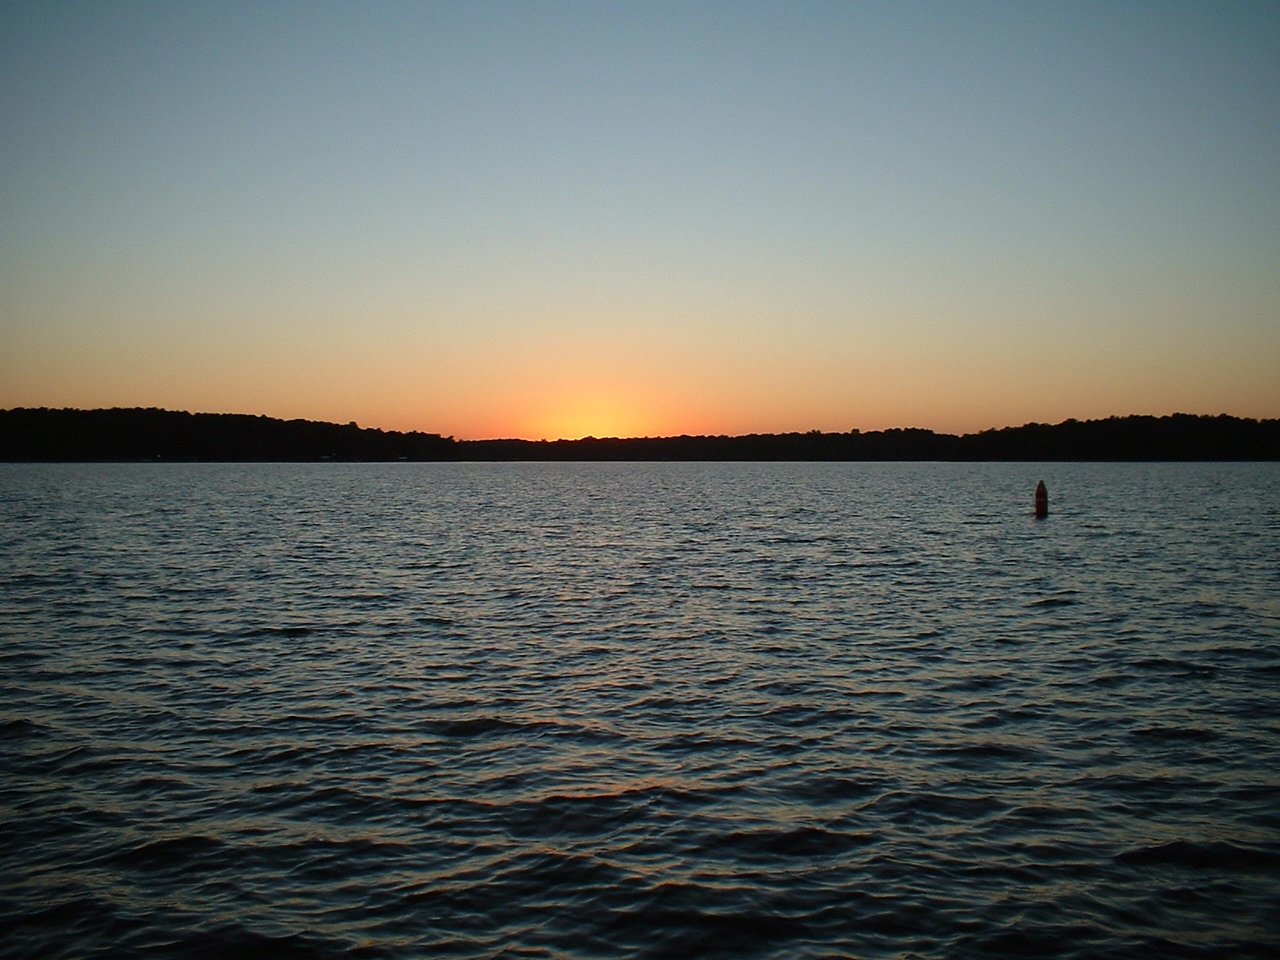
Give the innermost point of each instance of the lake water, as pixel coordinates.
(639, 710)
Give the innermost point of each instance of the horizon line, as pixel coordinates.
(548, 440)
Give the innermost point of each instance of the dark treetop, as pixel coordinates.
(152, 434)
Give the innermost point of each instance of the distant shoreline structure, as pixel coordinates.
(151, 434)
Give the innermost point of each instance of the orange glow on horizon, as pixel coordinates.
(591, 415)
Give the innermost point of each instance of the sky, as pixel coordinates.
(554, 219)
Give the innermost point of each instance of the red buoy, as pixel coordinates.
(1042, 501)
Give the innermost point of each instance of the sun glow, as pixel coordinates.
(593, 415)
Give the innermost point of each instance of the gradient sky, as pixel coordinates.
(551, 219)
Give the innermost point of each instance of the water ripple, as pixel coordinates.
(621, 710)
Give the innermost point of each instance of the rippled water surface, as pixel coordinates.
(639, 710)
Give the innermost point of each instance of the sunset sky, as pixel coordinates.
(549, 219)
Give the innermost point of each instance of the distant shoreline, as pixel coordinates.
(150, 434)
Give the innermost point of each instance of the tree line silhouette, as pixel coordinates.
(43, 434)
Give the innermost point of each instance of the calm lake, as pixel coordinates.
(568, 710)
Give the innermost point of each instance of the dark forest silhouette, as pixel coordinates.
(152, 434)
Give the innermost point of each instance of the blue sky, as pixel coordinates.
(553, 219)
